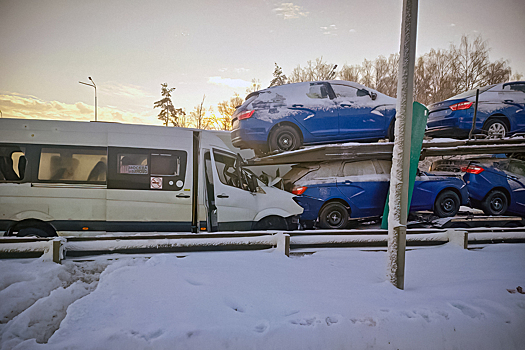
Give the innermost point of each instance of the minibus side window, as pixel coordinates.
(72, 164)
(146, 169)
(227, 170)
(12, 163)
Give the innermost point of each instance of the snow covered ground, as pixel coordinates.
(332, 299)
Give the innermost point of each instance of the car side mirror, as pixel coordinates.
(373, 96)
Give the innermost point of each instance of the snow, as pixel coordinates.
(331, 299)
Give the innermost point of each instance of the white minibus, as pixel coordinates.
(82, 178)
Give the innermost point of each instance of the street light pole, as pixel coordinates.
(93, 85)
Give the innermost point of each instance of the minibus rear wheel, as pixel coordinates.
(31, 227)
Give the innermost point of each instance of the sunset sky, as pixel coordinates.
(212, 48)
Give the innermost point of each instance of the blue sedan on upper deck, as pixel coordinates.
(500, 112)
(285, 117)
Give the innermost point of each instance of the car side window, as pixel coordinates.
(318, 91)
(345, 92)
(365, 167)
(383, 166)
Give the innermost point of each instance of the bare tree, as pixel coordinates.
(469, 62)
(497, 72)
(516, 76)
(385, 70)
(226, 110)
(199, 118)
(313, 71)
(349, 73)
(366, 72)
(256, 86)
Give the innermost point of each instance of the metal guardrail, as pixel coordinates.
(58, 248)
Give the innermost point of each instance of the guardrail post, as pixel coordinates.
(458, 237)
(57, 250)
(283, 243)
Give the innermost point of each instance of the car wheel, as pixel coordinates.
(285, 138)
(495, 203)
(333, 215)
(495, 128)
(391, 130)
(447, 204)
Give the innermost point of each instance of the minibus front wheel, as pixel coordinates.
(31, 227)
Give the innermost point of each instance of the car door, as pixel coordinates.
(313, 108)
(516, 180)
(365, 185)
(514, 97)
(354, 108)
(236, 205)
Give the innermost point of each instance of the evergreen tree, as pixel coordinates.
(168, 113)
(278, 77)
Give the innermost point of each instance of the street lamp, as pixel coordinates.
(94, 86)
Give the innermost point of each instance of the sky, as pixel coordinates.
(209, 49)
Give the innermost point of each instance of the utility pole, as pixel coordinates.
(93, 86)
(399, 176)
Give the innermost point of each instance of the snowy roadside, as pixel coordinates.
(335, 298)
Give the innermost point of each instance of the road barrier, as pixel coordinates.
(59, 248)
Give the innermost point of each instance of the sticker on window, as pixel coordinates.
(133, 169)
(156, 183)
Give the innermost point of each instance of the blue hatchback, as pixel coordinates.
(500, 112)
(331, 193)
(285, 117)
(497, 186)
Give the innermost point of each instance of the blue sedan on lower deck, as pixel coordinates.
(331, 193)
(497, 186)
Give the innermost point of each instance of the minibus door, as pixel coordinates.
(236, 205)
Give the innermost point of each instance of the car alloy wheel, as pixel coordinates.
(495, 129)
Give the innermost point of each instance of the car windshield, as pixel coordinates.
(471, 93)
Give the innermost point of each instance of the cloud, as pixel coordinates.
(117, 89)
(329, 30)
(15, 105)
(232, 83)
(288, 10)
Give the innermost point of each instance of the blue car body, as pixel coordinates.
(484, 178)
(362, 187)
(500, 110)
(320, 112)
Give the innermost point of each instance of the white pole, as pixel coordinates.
(399, 176)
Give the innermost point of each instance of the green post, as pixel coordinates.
(419, 123)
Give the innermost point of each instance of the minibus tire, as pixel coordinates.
(31, 227)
